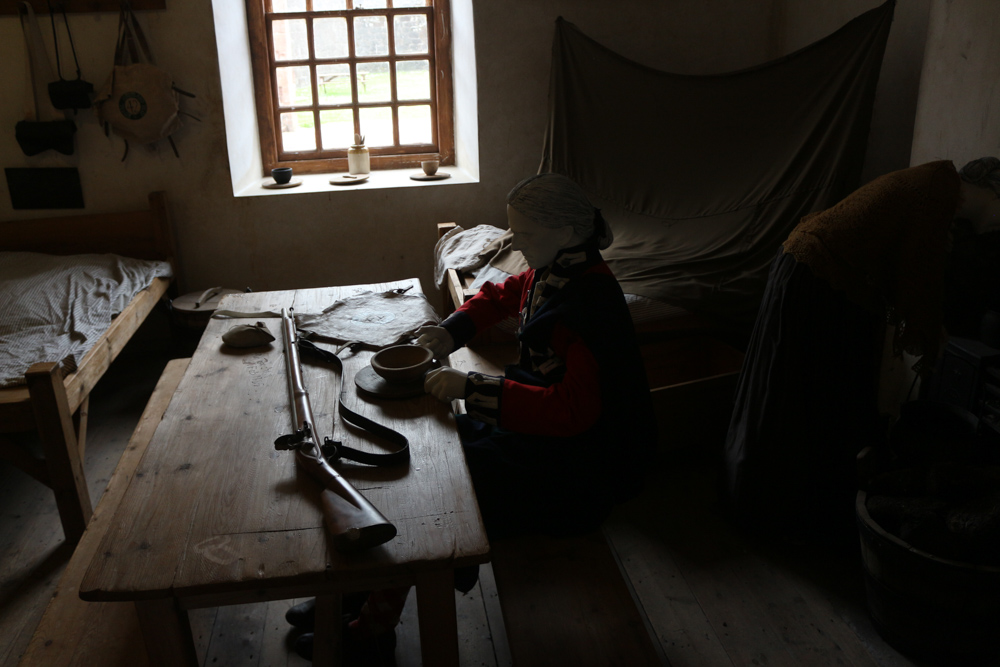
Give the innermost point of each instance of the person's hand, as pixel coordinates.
(437, 340)
(445, 383)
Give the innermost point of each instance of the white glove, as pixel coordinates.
(445, 383)
(437, 339)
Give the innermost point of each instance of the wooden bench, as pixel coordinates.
(565, 601)
(73, 632)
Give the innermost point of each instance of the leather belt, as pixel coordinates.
(334, 449)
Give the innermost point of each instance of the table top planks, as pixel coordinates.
(214, 509)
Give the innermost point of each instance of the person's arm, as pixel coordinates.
(567, 408)
(492, 304)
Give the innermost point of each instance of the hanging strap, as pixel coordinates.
(131, 39)
(38, 67)
(333, 449)
(55, 39)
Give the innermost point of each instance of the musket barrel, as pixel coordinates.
(353, 523)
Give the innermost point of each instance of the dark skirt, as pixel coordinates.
(534, 484)
(806, 404)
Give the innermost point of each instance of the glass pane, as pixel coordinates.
(328, 5)
(376, 125)
(330, 38)
(297, 133)
(337, 128)
(290, 41)
(410, 31)
(413, 80)
(293, 86)
(408, 3)
(373, 82)
(278, 6)
(369, 4)
(415, 125)
(371, 36)
(334, 84)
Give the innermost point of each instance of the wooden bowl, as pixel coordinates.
(402, 364)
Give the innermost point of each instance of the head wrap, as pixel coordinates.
(553, 201)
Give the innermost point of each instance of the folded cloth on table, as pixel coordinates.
(376, 319)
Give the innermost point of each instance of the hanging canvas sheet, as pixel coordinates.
(703, 177)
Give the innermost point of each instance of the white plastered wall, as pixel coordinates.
(957, 117)
(338, 237)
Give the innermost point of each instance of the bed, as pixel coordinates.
(53, 401)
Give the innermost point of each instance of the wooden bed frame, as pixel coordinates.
(56, 406)
(692, 370)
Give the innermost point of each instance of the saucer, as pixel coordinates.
(371, 382)
(295, 182)
(349, 179)
(439, 176)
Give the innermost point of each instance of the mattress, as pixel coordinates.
(54, 308)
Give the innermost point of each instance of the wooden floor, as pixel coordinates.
(712, 597)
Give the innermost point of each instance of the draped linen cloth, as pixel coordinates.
(375, 319)
(702, 177)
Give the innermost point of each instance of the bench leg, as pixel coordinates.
(166, 630)
(62, 451)
(437, 618)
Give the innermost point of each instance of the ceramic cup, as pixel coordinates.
(402, 364)
(281, 175)
(430, 167)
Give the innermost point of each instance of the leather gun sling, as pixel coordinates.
(399, 457)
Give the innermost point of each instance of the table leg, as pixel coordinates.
(166, 631)
(437, 618)
(326, 636)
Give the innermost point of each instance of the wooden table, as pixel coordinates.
(215, 516)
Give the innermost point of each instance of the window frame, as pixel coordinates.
(382, 157)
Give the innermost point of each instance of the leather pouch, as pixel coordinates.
(36, 136)
(70, 94)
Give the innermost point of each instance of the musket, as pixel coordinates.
(352, 521)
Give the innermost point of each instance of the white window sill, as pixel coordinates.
(377, 180)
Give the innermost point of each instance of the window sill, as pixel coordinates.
(378, 180)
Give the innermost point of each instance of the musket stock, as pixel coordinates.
(351, 520)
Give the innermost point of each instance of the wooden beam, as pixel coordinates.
(81, 6)
(54, 420)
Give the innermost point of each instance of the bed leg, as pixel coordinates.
(59, 443)
(80, 426)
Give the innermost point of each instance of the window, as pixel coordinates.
(326, 70)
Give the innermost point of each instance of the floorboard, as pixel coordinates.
(716, 596)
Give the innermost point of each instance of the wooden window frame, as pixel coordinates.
(382, 157)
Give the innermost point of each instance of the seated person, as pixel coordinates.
(806, 402)
(570, 426)
(567, 431)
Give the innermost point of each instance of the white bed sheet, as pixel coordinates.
(54, 308)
